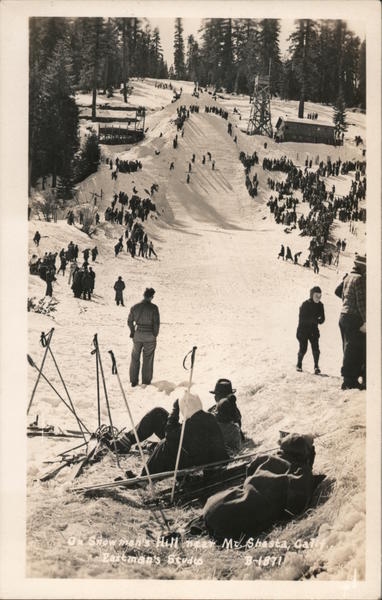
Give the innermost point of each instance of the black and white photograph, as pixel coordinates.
(199, 225)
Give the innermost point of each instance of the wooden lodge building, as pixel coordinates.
(304, 130)
(116, 127)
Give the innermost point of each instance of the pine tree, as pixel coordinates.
(110, 57)
(211, 52)
(227, 66)
(304, 55)
(339, 117)
(246, 53)
(193, 59)
(59, 126)
(362, 76)
(157, 54)
(179, 66)
(269, 51)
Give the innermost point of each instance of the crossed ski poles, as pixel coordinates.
(99, 367)
(45, 341)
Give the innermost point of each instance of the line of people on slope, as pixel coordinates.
(137, 237)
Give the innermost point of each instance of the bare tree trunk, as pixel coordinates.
(124, 60)
(95, 69)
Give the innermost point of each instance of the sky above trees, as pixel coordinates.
(192, 26)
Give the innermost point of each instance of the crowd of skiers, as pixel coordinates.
(137, 243)
(83, 281)
(130, 209)
(124, 166)
(216, 110)
(82, 278)
(323, 204)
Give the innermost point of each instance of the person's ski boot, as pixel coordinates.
(317, 370)
(299, 368)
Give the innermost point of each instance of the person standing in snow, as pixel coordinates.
(93, 276)
(119, 286)
(63, 263)
(49, 278)
(94, 253)
(72, 269)
(37, 238)
(151, 250)
(282, 252)
(86, 283)
(352, 322)
(288, 254)
(144, 322)
(316, 268)
(311, 315)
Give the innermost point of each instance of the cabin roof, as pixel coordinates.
(310, 122)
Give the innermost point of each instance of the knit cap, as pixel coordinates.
(315, 290)
(189, 404)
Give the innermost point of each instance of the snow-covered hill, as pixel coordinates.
(219, 286)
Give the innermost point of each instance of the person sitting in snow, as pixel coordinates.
(203, 441)
(311, 315)
(223, 390)
(277, 487)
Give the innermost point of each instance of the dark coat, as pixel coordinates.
(236, 412)
(93, 276)
(202, 443)
(119, 286)
(87, 281)
(77, 282)
(145, 317)
(277, 487)
(311, 315)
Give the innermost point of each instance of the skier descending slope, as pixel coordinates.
(311, 315)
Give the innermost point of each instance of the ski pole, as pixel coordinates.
(67, 393)
(47, 342)
(115, 372)
(192, 352)
(32, 363)
(107, 403)
(170, 474)
(95, 342)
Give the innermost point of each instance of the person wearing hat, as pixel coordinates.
(352, 322)
(310, 316)
(226, 413)
(223, 389)
(144, 322)
(119, 286)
